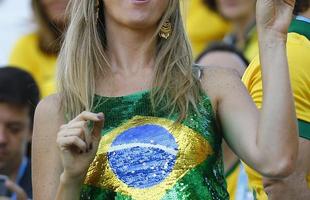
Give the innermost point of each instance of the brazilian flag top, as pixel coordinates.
(146, 155)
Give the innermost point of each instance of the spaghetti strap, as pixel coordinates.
(198, 71)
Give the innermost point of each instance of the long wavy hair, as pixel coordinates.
(83, 55)
(49, 33)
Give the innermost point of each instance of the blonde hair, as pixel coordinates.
(83, 55)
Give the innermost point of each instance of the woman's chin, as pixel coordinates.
(140, 20)
(140, 24)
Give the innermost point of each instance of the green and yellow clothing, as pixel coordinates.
(28, 56)
(232, 177)
(144, 155)
(203, 25)
(301, 25)
(298, 48)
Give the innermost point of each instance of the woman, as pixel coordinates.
(37, 52)
(202, 32)
(241, 15)
(160, 139)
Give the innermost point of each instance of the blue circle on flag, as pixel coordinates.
(143, 156)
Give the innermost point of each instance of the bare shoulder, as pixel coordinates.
(218, 80)
(48, 114)
(49, 105)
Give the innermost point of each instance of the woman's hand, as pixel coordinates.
(78, 145)
(274, 16)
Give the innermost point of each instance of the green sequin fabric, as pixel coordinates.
(141, 157)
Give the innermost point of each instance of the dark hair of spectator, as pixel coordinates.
(211, 4)
(17, 87)
(49, 34)
(301, 5)
(223, 47)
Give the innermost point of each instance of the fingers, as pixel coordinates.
(88, 116)
(98, 126)
(20, 193)
(77, 134)
(66, 143)
(95, 134)
(75, 124)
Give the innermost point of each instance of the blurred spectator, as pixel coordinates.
(19, 96)
(203, 25)
(37, 52)
(15, 20)
(224, 55)
(241, 15)
(298, 48)
(227, 56)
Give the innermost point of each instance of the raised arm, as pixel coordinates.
(267, 141)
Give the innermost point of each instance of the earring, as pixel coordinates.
(166, 30)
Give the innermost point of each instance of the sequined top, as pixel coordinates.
(145, 155)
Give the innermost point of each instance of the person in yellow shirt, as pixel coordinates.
(298, 48)
(203, 25)
(37, 52)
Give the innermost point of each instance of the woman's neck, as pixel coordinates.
(240, 28)
(130, 50)
(131, 54)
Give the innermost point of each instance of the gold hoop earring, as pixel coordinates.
(166, 30)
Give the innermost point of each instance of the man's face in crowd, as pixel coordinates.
(15, 133)
(55, 10)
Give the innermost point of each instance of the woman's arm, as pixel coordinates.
(277, 130)
(295, 186)
(46, 163)
(267, 141)
(62, 153)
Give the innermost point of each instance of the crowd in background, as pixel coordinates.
(222, 33)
